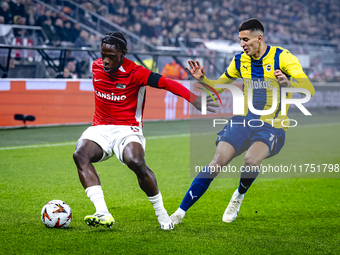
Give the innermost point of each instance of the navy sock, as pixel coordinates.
(198, 187)
(247, 178)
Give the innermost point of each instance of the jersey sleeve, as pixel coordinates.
(211, 84)
(232, 72)
(141, 75)
(303, 82)
(290, 64)
(228, 77)
(161, 82)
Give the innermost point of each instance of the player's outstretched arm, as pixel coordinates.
(197, 71)
(303, 82)
(210, 103)
(290, 65)
(158, 81)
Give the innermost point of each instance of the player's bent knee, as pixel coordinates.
(133, 157)
(80, 158)
(215, 167)
(251, 161)
(136, 164)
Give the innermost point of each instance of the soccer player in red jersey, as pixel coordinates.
(119, 86)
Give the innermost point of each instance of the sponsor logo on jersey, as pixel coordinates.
(111, 96)
(259, 84)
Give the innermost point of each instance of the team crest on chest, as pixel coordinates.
(268, 68)
(121, 86)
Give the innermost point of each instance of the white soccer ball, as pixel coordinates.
(56, 214)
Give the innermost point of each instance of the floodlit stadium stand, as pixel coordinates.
(208, 28)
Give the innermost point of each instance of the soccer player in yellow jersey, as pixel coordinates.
(265, 70)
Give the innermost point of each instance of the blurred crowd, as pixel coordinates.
(56, 27)
(163, 22)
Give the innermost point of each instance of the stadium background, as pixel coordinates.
(46, 52)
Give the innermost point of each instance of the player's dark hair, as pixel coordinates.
(117, 39)
(252, 25)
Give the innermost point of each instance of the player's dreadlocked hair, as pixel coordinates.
(116, 38)
(252, 25)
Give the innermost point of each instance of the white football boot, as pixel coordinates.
(233, 208)
(177, 216)
(165, 222)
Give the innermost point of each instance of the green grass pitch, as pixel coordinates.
(278, 216)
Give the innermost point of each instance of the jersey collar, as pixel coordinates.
(263, 56)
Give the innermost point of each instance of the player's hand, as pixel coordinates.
(210, 103)
(196, 70)
(282, 78)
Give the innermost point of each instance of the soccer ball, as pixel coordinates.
(56, 214)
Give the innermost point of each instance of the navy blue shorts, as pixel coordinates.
(241, 137)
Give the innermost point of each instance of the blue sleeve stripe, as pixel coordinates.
(277, 66)
(277, 59)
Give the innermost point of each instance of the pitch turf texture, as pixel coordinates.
(278, 216)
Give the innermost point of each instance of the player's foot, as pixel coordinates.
(166, 225)
(177, 216)
(165, 222)
(99, 219)
(233, 208)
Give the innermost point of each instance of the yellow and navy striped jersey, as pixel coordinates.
(257, 72)
(258, 75)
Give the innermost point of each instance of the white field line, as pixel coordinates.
(74, 143)
(157, 137)
(37, 146)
